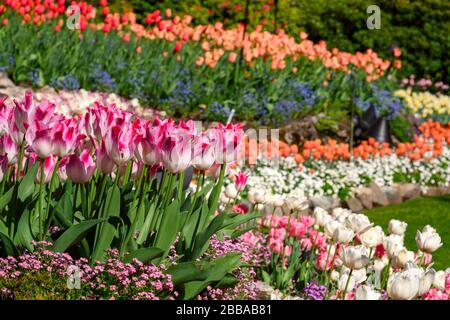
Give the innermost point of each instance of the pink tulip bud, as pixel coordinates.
(40, 140)
(204, 153)
(148, 150)
(176, 151)
(80, 169)
(49, 166)
(8, 148)
(241, 181)
(104, 163)
(3, 166)
(65, 135)
(119, 143)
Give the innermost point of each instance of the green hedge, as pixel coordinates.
(421, 28)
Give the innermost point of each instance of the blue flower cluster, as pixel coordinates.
(299, 98)
(6, 62)
(137, 83)
(384, 102)
(68, 82)
(103, 79)
(220, 111)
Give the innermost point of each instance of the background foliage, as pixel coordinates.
(420, 28)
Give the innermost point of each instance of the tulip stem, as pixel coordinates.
(75, 196)
(197, 188)
(20, 159)
(346, 284)
(422, 259)
(102, 191)
(180, 186)
(136, 216)
(4, 181)
(40, 202)
(216, 193)
(50, 190)
(84, 200)
(328, 257)
(139, 185)
(331, 269)
(127, 172)
(386, 274)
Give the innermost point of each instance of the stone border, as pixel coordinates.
(372, 196)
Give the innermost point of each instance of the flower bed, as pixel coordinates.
(113, 181)
(327, 170)
(114, 191)
(206, 71)
(343, 256)
(45, 274)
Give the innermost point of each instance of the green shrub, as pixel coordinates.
(419, 28)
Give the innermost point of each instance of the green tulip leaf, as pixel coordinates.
(144, 255)
(26, 186)
(74, 234)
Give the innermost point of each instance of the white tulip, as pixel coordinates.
(230, 191)
(358, 222)
(340, 214)
(366, 293)
(334, 276)
(397, 227)
(343, 282)
(300, 196)
(379, 265)
(402, 257)
(259, 206)
(403, 285)
(295, 203)
(372, 237)
(277, 200)
(321, 216)
(257, 196)
(331, 226)
(343, 235)
(426, 282)
(224, 199)
(355, 258)
(440, 280)
(426, 278)
(428, 240)
(359, 275)
(393, 244)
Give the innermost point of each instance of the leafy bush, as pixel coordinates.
(419, 28)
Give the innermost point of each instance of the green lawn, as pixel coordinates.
(418, 213)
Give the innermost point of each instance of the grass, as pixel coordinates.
(419, 212)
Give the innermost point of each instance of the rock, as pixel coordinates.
(409, 191)
(264, 291)
(435, 191)
(324, 202)
(5, 82)
(354, 204)
(300, 130)
(365, 196)
(379, 198)
(392, 195)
